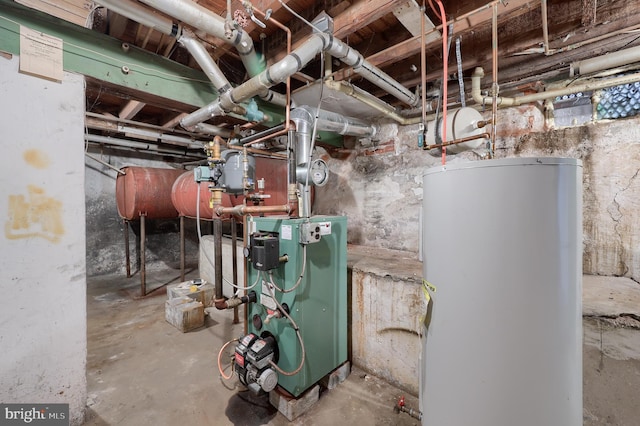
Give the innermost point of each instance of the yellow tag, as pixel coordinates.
(426, 288)
(193, 288)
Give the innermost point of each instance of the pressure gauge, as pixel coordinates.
(319, 172)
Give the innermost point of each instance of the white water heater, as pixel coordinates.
(502, 246)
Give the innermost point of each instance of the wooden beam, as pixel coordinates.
(411, 46)
(174, 121)
(360, 15)
(130, 109)
(139, 73)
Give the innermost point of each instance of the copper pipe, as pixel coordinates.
(423, 64)
(545, 28)
(494, 88)
(461, 140)
(242, 209)
(288, 83)
(258, 151)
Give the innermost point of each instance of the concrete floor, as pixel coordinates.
(141, 370)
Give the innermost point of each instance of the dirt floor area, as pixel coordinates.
(141, 370)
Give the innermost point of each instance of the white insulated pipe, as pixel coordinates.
(294, 62)
(202, 18)
(549, 94)
(202, 57)
(210, 129)
(141, 14)
(608, 61)
(353, 58)
(199, 17)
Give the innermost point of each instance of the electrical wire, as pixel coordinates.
(297, 330)
(304, 265)
(294, 13)
(206, 255)
(220, 369)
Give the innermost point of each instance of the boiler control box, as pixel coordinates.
(265, 251)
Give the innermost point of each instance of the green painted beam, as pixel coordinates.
(99, 56)
(102, 57)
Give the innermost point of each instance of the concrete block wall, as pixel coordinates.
(43, 286)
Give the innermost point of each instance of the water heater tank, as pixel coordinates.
(502, 246)
(146, 191)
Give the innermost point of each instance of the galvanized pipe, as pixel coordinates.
(294, 62)
(143, 268)
(234, 253)
(127, 255)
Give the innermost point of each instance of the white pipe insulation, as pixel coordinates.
(549, 94)
(294, 62)
(608, 61)
(203, 19)
(141, 14)
(202, 57)
(249, 57)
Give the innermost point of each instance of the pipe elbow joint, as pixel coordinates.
(478, 72)
(221, 304)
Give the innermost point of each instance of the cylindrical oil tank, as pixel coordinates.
(184, 196)
(146, 191)
(502, 244)
(461, 123)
